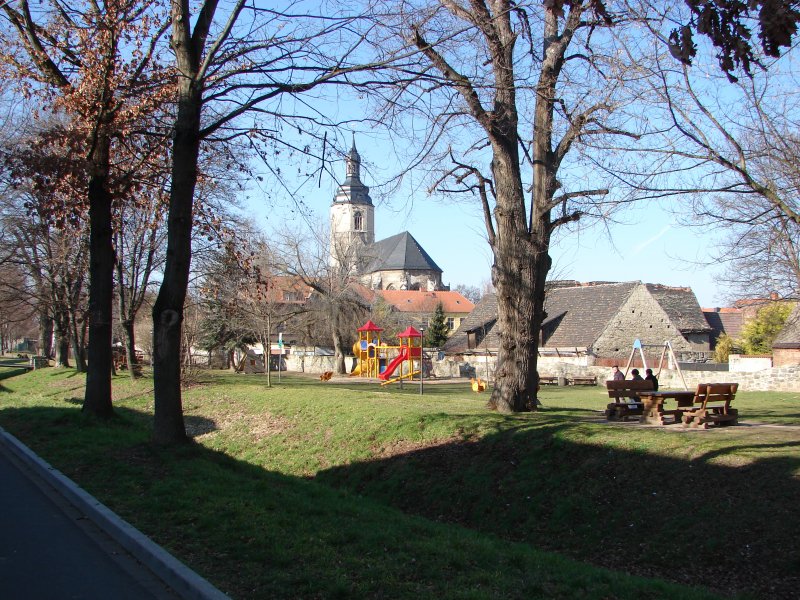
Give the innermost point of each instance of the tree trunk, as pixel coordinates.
(134, 369)
(62, 351)
(77, 353)
(61, 326)
(338, 354)
(45, 335)
(266, 342)
(518, 274)
(97, 399)
(168, 425)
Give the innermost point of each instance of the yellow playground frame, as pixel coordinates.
(371, 355)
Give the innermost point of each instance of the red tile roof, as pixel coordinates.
(419, 301)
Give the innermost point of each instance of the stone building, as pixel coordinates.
(398, 262)
(599, 320)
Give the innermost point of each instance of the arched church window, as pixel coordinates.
(358, 221)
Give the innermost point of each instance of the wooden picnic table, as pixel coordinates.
(653, 411)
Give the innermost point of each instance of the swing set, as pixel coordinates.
(666, 348)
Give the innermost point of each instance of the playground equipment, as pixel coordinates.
(365, 350)
(408, 352)
(374, 359)
(478, 385)
(666, 348)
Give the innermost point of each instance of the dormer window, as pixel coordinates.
(358, 221)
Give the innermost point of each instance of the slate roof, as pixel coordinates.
(789, 336)
(400, 252)
(681, 306)
(483, 318)
(576, 316)
(724, 320)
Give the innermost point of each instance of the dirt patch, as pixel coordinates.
(400, 447)
(266, 425)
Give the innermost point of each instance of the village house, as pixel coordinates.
(786, 346)
(599, 321)
(727, 320)
(417, 307)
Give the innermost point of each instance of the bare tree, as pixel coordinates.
(735, 150)
(139, 240)
(245, 60)
(335, 305)
(516, 95)
(94, 62)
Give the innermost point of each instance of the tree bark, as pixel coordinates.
(77, 350)
(168, 425)
(338, 354)
(134, 369)
(61, 327)
(45, 335)
(518, 273)
(97, 399)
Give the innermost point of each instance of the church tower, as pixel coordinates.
(352, 218)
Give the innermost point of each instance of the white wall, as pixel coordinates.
(741, 363)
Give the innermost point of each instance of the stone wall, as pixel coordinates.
(786, 379)
(312, 364)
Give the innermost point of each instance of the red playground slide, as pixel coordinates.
(394, 364)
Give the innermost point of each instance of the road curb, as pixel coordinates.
(185, 582)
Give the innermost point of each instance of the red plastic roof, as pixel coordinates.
(409, 332)
(369, 326)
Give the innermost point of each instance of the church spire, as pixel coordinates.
(352, 190)
(353, 169)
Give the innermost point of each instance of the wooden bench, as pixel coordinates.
(581, 380)
(626, 399)
(548, 380)
(712, 405)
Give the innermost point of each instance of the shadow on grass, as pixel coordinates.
(771, 415)
(7, 374)
(732, 528)
(260, 534)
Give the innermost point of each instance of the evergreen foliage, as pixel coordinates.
(437, 332)
(724, 347)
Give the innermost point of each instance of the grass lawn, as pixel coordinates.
(346, 489)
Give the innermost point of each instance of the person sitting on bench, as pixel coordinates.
(651, 377)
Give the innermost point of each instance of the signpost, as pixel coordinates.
(421, 360)
(280, 354)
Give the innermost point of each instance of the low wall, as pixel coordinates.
(312, 364)
(783, 379)
(743, 363)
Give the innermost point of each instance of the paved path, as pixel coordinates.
(54, 547)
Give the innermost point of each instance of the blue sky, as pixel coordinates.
(645, 243)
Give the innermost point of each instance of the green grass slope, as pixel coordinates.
(313, 490)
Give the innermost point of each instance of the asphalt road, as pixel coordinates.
(49, 550)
